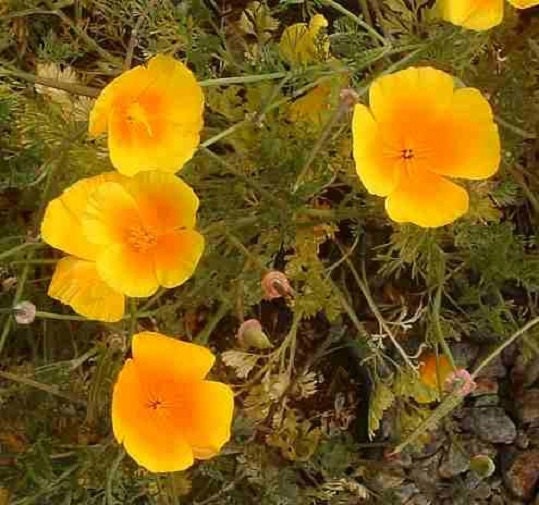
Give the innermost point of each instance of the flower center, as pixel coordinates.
(137, 114)
(407, 154)
(141, 239)
(155, 404)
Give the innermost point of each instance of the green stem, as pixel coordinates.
(68, 317)
(363, 286)
(53, 390)
(111, 474)
(204, 335)
(438, 328)
(243, 79)
(82, 34)
(18, 248)
(333, 120)
(498, 350)
(515, 129)
(133, 315)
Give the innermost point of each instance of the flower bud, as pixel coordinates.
(275, 285)
(460, 382)
(24, 312)
(250, 334)
(348, 98)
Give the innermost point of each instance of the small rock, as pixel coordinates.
(509, 355)
(492, 424)
(523, 474)
(497, 500)
(487, 401)
(522, 441)
(419, 499)
(477, 447)
(532, 372)
(406, 492)
(533, 435)
(518, 374)
(464, 353)
(528, 407)
(483, 491)
(485, 386)
(494, 370)
(425, 474)
(465, 417)
(455, 462)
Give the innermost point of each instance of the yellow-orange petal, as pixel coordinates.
(176, 256)
(162, 144)
(121, 91)
(76, 283)
(183, 361)
(410, 95)
(211, 407)
(110, 214)
(153, 438)
(61, 225)
(127, 270)
(426, 199)
(165, 202)
(524, 4)
(430, 368)
(154, 115)
(468, 143)
(473, 14)
(377, 167)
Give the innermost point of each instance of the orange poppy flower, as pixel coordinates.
(478, 14)
(429, 369)
(163, 411)
(153, 116)
(418, 131)
(125, 236)
(143, 228)
(75, 281)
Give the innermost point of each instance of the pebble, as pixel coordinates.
(492, 424)
(494, 370)
(485, 386)
(455, 462)
(523, 474)
(528, 407)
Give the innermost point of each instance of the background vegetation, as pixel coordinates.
(319, 412)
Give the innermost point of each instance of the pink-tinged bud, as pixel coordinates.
(348, 98)
(275, 285)
(24, 312)
(250, 334)
(460, 382)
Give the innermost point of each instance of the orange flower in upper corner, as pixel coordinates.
(163, 411)
(143, 228)
(478, 14)
(153, 116)
(418, 131)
